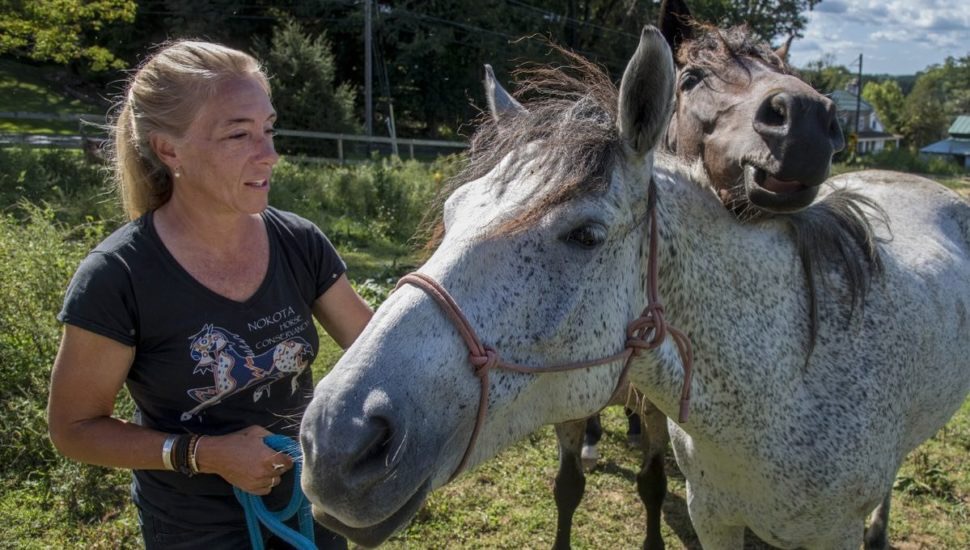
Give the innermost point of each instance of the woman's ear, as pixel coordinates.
(164, 148)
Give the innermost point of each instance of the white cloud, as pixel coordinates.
(894, 36)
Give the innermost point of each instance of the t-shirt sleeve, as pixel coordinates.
(325, 256)
(100, 299)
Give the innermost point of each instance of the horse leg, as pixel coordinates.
(570, 481)
(652, 479)
(633, 431)
(877, 534)
(591, 437)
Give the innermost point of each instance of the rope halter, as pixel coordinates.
(646, 332)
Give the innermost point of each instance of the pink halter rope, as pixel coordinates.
(484, 358)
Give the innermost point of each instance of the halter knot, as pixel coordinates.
(484, 362)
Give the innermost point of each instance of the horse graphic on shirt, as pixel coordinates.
(235, 367)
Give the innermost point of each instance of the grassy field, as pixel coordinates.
(507, 502)
(25, 88)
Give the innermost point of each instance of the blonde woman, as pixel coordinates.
(202, 305)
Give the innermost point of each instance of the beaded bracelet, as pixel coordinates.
(167, 452)
(180, 458)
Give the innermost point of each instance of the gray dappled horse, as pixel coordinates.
(765, 140)
(566, 225)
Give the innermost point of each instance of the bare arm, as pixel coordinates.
(88, 374)
(342, 312)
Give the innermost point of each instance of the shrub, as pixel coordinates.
(906, 160)
(75, 188)
(356, 205)
(38, 256)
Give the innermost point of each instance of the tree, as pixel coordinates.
(887, 98)
(767, 19)
(302, 72)
(62, 31)
(924, 118)
(825, 76)
(940, 94)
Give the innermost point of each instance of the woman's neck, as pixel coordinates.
(217, 233)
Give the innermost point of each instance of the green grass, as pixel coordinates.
(24, 88)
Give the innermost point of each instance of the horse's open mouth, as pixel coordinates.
(373, 535)
(770, 193)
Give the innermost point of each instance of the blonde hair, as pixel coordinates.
(164, 96)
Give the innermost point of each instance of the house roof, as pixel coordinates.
(948, 147)
(960, 127)
(846, 101)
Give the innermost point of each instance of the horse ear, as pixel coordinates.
(500, 103)
(675, 23)
(646, 92)
(782, 51)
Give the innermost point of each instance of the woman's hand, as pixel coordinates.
(243, 459)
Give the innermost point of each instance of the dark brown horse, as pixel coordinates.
(765, 137)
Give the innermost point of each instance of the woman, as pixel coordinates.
(202, 305)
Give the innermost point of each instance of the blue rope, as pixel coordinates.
(256, 511)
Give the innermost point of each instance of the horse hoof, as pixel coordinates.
(590, 456)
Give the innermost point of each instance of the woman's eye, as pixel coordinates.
(587, 236)
(239, 135)
(271, 132)
(690, 78)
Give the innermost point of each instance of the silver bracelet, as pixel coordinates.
(167, 452)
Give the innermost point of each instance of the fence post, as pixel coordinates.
(340, 150)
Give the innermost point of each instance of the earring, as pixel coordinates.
(177, 173)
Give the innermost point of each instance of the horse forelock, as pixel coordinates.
(714, 49)
(567, 139)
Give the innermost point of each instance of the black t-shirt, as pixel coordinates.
(204, 363)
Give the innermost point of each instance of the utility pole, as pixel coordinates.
(368, 71)
(858, 100)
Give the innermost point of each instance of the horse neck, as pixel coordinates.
(712, 281)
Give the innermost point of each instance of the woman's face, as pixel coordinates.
(226, 156)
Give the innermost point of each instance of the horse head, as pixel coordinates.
(765, 137)
(206, 346)
(541, 251)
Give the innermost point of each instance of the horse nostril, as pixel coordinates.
(375, 452)
(774, 115)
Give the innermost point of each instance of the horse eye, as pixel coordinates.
(690, 78)
(588, 236)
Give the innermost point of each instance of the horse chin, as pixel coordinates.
(370, 536)
(772, 195)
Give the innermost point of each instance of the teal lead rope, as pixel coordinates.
(256, 511)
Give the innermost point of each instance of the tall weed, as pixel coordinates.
(360, 204)
(75, 189)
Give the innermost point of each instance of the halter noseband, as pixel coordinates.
(483, 358)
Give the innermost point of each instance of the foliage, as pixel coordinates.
(887, 98)
(302, 71)
(61, 177)
(940, 94)
(356, 205)
(39, 256)
(903, 160)
(825, 76)
(62, 31)
(767, 19)
(429, 55)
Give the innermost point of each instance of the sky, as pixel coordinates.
(894, 36)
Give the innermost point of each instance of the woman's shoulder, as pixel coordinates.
(288, 223)
(286, 218)
(125, 237)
